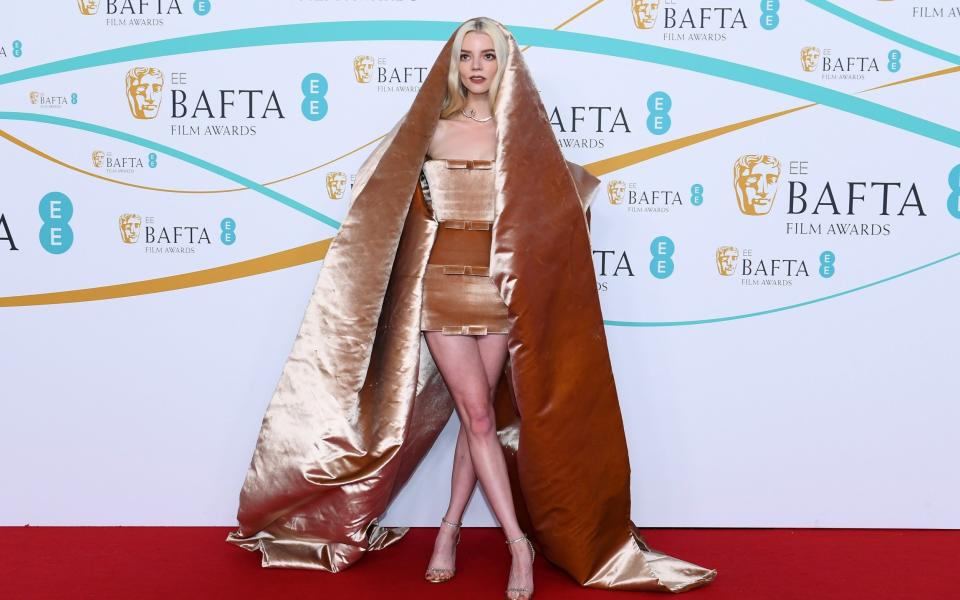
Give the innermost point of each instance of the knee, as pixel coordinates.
(480, 423)
(477, 415)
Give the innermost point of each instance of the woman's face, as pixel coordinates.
(478, 62)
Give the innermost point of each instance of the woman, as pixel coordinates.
(361, 399)
(462, 315)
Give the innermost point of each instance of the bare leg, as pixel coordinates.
(463, 481)
(468, 364)
(464, 478)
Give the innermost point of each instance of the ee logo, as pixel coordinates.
(696, 194)
(662, 248)
(827, 260)
(659, 104)
(56, 235)
(228, 231)
(953, 200)
(893, 61)
(769, 19)
(314, 105)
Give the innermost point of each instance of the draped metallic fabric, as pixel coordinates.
(360, 401)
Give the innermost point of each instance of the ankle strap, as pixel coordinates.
(457, 524)
(515, 540)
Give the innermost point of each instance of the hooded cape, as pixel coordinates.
(360, 400)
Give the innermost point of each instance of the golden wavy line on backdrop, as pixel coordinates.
(293, 257)
(272, 262)
(946, 71)
(318, 250)
(19, 142)
(615, 163)
(598, 168)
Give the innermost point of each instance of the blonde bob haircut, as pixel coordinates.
(456, 97)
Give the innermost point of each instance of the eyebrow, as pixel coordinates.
(468, 52)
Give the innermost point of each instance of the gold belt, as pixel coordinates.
(468, 225)
(457, 163)
(464, 330)
(460, 269)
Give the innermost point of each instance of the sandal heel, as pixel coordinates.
(434, 575)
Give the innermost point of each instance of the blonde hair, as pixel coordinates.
(456, 97)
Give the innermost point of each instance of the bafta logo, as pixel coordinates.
(362, 65)
(809, 55)
(34, 97)
(615, 191)
(755, 178)
(97, 158)
(727, 260)
(144, 89)
(88, 7)
(336, 184)
(644, 13)
(130, 228)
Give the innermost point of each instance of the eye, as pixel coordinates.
(464, 57)
(490, 56)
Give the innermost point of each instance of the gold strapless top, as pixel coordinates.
(458, 296)
(460, 190)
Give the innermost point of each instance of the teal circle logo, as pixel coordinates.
(17, 49)
(314, 105)
(893, 61)
(827, 260)
(202, 7)
(953, 200)
(769, 19)
(662, 249)
(56, 210)
(659, 104)
(696, 194)
(228, 231)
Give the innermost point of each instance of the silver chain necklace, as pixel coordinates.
(473, 112)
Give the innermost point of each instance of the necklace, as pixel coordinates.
(472, 114)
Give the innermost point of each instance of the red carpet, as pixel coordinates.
(194, 562)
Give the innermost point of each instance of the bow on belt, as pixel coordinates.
(459, 163)
(468, 225)
(461, 269)
(464, 330)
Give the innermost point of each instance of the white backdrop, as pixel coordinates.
(780, 398)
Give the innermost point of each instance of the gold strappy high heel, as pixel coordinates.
(434, 575)
(521, 593)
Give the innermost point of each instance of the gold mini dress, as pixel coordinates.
(458, 296)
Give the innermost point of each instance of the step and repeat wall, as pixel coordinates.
(775, 242)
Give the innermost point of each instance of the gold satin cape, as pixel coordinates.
(360, 400)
